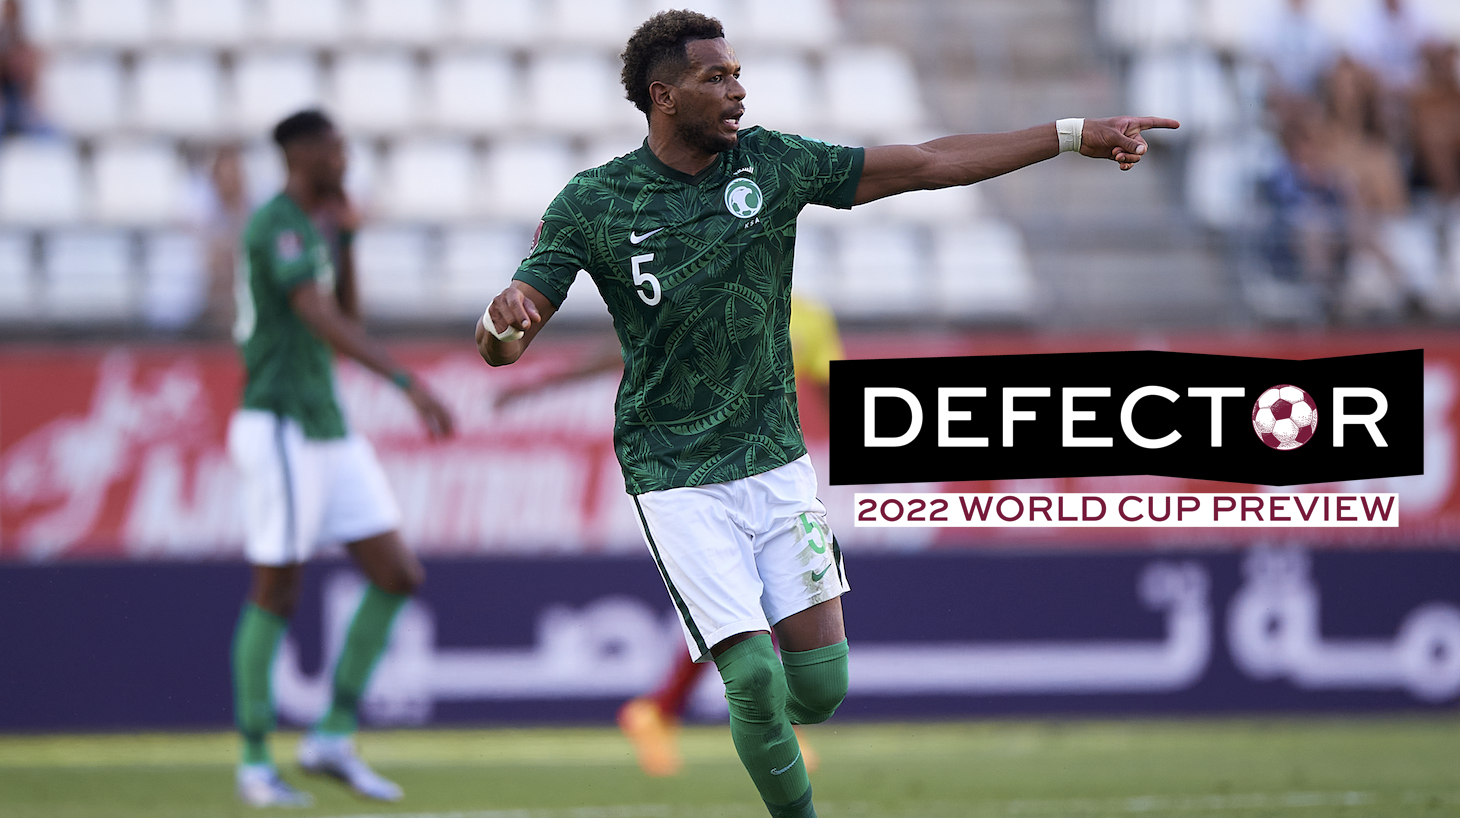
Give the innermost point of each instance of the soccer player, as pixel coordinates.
(689, 239)
(306, 478)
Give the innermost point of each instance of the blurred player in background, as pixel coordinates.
(690, 242)
(306, 478)
(651, 722)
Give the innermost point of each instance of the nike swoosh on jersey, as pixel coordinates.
(635, 238)
(817, 575)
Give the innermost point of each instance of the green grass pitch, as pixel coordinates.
(1350, 767)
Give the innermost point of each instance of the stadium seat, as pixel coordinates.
(393, 21)
(207, 22)
(873, 91)
(578, 92)
(363, 178)
(43, 20)
(781, 92)
(473, 91)
(375, 92)
(269, 86)
(815, 268)
(392, 264)
(1234, 25)
(478, 262)
(178, 93)
(1146, 24)
(584, 303)
(40, 182)
(881, 272)
(263, 171)
(1222, 174)
(81, 93)
(499, 22)
(138, 183)
(949, 205)
(112, 22)
(523, 177)
(981, 270)
(730, 13)
(430, 178)
(175, 280)
(304, 21)
(606, 23)
(17, 285)
(605, 149)
(804, 23)
(1188, 85)
(88, 275)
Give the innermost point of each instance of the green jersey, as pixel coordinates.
(290, 370)
(696, 272)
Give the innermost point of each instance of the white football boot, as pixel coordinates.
(259, 785)
(335, 756)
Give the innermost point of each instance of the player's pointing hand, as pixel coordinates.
(1119, 138)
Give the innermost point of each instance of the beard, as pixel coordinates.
(704, 135)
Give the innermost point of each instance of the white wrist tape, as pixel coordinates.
(508, 334)
(1070, 132)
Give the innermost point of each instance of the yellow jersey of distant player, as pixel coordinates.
(815, 342)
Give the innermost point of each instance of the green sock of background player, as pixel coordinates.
(254, 643)
(364, 644)
(755, 688)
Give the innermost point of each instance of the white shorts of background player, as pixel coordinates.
(299, 494)
(741, 556)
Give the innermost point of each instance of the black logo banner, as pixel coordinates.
(1207, 417)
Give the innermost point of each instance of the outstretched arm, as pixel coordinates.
(321, 313)
(969, 158)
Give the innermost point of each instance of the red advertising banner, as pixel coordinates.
(119, 452)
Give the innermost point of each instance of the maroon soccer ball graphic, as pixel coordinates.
(1285, 417)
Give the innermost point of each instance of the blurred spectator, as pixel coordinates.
(224, 211)
(1436, 116)
(19, 66)
(1297, 53)
(1387, 36)
(1306, 232)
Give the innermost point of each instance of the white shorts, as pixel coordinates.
(299, 494)
(743, 555)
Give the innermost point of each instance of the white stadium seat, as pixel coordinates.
(804, 23)
(263, 171)
(730, 13)
(17, 285)
(584, 302)
(304, 21)
(1190, 85)
(981, 270)
(269, 86)
(595, 22)
(578, 93)
(781, 92)
(474, 91)
(179, 93)
(139, 183)
(362, 171)
(400, 21)
(207, 22)
(88, 275)
(1146, 24)
(43, 20)
(112, 22)
(375, 92)
(82, 92)
(40, 182)
(430, 179)
(175, 281)
(391, 263)
(523, 177)
(505, 22)
(605, 149)
(478, 263)
(881, 271)
(873, 91)
(815, 268)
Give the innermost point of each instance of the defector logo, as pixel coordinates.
(1264, 421)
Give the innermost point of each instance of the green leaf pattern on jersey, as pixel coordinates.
(708, 393)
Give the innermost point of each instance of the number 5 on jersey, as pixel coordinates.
(642, 278)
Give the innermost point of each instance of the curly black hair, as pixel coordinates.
(657, 51)
(303, 125)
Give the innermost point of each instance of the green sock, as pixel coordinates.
(254, 643)
(365, 642)
(755, 689)
(817, 682)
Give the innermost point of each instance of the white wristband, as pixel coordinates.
(506, 335)
(1070, 132)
